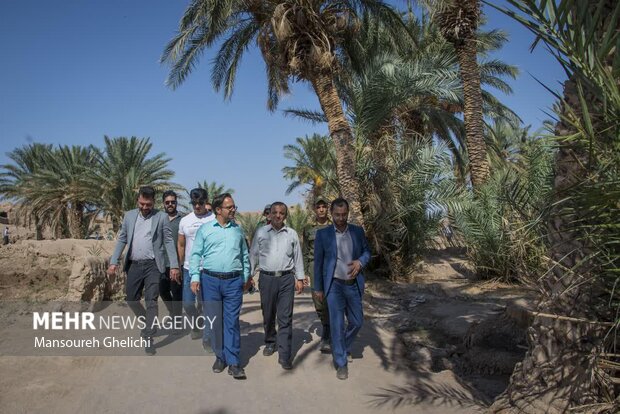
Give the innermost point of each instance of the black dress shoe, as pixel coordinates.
(218, 366)
(149, 349)
(286, 364)
(342, 373)
(237, 372)
(325, 346)
(269, 349)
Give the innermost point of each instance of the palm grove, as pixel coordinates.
(421, 147)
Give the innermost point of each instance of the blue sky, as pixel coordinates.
(74, 71)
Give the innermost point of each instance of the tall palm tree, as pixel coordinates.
(123, 166)
(27, 160)
(298, 39)
(458, 21)
(314, 164)
(566, 368)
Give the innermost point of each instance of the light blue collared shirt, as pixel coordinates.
(219, 249)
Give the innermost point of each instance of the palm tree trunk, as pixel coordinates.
(472, 113)
(340, 132)
(75, 218)
(559, 369)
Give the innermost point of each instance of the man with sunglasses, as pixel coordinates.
(171, 289)
(189, 225)
(220, 269)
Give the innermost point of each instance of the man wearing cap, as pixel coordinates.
(276, 255)
(321, 220)
(220, 270)
(266, 219)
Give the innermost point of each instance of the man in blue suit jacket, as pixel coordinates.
(340, 253)
(147, 234)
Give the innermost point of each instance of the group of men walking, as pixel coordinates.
(218, 266)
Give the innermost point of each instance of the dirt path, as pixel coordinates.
(378, 380)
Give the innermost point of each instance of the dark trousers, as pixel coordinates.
(172, 294)
(344, 300)
(5, 239)
(143, 276)
(277, 294)
(322, 311)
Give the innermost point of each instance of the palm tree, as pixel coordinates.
(249, 222)
(314, 161)
(566, 367)
(298, 39)
(123, 166)
(458, 21)
(27, 160)
(62, 191)
(214, 189)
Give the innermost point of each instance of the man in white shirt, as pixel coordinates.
(276, 254)
(189, 225)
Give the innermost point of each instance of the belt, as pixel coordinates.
(277, 272)
(142, 261)
(222, 275)
(347, 282)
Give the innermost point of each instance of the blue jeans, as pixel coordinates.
(193, 307)
(344, 300)
(222, 301)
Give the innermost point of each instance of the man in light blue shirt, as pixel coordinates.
(220, 268)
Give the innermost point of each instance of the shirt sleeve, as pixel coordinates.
(298, 258)
(196, 255)
(245, 259)
(254, 252)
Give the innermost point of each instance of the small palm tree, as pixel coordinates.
(249, 222)
(122, 167)
(214, 189)
(298, 219)
(27, 161)
(314, 161)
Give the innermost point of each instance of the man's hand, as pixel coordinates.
(247, 284)
(299, 286)
(195, 287)
(354, 268)
(112, 272)
(318, 295)
(307, 281)
(175, 275)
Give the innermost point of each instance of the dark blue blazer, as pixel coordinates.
(326, 253)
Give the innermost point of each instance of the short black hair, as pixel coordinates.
(219, 200)
(339, 202)
(147, 192)
(168, 193)
(198, 195)
(279, 203)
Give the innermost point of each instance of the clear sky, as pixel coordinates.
(75, 70)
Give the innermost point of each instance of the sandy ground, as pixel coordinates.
(378, 380)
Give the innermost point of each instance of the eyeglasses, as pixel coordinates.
(231, 208)
(170, 203)
(197, 203)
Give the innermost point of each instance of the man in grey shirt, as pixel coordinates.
(276, 254)
(147, 234)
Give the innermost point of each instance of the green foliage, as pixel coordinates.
(503, 227)
(214, 189)
(65, 188)
(314, 161)
(298, 219)
(249, 222)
